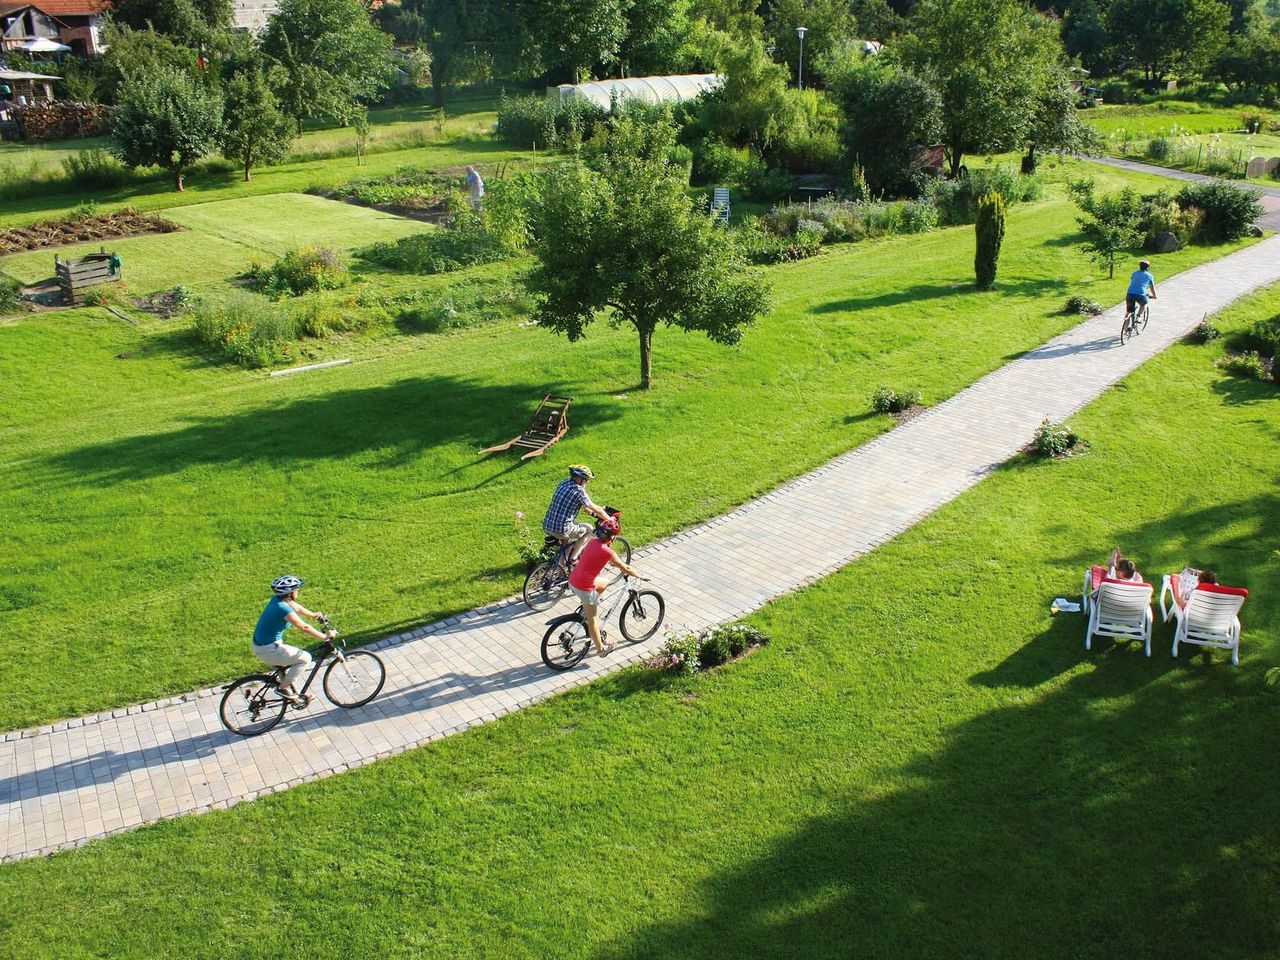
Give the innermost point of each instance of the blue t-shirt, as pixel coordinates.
(1139, 282)
(273, 622)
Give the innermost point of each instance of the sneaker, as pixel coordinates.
(300, 701)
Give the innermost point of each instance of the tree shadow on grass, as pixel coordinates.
(1108, 816)
(921, 292)
(1237, 391)
(396, 420)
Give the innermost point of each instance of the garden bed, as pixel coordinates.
(407, 192)
(82, 228)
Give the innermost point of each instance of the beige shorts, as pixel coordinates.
(588, 598)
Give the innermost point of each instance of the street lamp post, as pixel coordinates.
(800, 32)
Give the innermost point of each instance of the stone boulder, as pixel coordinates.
(1165, 242)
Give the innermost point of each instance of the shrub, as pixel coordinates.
(742, 637)
(1158, 148)
(1228, 210)
(919, 216)
(466, 244)
(888, 400)
(96, 170)
(524, 121)
(713, 650)
(1083, 306)
(858, 189)
(1054, 439)
(1205, 332)
(1248, 364)
(1115, 93)
(716, 162)
(679, 655)
(1161, 214)
(301, 271)
(1264, 336)
(1253, 122)
(10, 302)
(957, 200)
(762, 182)
(762, 246)
(248, 329)
(990, 235)
(531, 547)
(98, 297)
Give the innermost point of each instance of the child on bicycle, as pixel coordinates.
(1139, 282)
(281, 612)
(586, 582)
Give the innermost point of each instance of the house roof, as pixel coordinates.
(58, 8)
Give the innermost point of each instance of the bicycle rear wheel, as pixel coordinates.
(566, 642)
(355, 679)
(544, 586)
(642, 615)
(252, 705)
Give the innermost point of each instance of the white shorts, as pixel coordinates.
(588, 598)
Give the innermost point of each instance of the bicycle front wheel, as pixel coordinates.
(544, 586)
(1126, 329)
(252, 705)
(355, 679)
(642, 615)
(1141, 320)
(566, 642)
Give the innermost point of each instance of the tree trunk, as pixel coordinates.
(177, 179)
(437, 86)
(646, 359)
(247, 176)
(953, 161)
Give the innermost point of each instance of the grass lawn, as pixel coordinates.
(149, 263)
(169, 488)
(1156, 119)
(923, 762)
(284, 221)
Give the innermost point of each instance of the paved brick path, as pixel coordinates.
(84, 778)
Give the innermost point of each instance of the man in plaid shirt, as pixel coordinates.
(569, 499)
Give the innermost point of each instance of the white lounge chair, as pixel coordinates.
(1207, 617)
(720, 204)
(1122, 610)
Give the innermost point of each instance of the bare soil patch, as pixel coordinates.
(81, 229)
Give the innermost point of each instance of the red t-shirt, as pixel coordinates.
(593, 559)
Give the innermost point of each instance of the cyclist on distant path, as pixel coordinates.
(282, 611)
(567, 502)
(1139, 282)
(589, 586)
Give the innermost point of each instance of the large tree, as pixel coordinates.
(188, 20)
(575, 36)
(167, 119)
(890, 113)
(1161, 37)
(751, 106)
(1056, 123)
(254, 129)
(987, 59)
(333, 56)
(657, 32)
(452, 30)
(622, 238)
(829, 26)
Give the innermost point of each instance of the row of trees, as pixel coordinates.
(244, 96)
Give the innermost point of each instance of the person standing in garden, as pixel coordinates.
(475, 187)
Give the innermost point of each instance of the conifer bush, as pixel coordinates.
(990, 231)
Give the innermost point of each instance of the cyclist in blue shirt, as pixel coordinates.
(281, 612)
(1139, 282)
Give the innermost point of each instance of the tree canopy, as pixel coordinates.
(621, 236)
(254, 129)
(1168, 36)
(166, 119)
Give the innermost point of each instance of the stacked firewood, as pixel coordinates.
(61, 120)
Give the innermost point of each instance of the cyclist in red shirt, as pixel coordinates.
(586, 582)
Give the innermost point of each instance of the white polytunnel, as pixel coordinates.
(649, 89)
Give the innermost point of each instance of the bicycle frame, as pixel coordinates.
(330, 648)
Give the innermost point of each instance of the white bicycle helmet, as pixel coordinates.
(283, 586)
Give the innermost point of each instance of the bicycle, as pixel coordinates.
(254, 704)
(548, 581)
(567, 641)
(1135, 321)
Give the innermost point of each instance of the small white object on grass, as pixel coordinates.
(1062, 605)
(310, 366)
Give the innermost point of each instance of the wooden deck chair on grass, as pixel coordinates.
(1207, 617)
(550, 422)
(1121, 610)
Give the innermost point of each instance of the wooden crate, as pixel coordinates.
(77, 275)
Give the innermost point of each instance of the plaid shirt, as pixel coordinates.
(566, 503)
